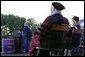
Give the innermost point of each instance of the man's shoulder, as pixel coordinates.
(65, 18)
(67, 21)
(49, 16)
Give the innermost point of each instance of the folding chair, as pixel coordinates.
(67, 42)
(55, 42)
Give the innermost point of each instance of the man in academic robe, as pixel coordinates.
(43, 31)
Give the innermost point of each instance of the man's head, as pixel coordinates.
(56, 6)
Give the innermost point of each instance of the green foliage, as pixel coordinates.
(32, 24)
(12, 22)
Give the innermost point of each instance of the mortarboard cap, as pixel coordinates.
(58, 6)
(75, 18)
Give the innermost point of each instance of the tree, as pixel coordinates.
(12, 22)
(32, 23)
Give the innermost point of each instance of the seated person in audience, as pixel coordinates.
(44, 30)
(75, 38)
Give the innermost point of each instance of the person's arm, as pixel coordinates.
(45, 27)
(29, 33)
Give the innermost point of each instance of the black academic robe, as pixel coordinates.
(75, 37)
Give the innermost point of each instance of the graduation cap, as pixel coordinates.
(75, 18)
(58, 6)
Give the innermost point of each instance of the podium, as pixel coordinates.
(17, 43)
(8, 45)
